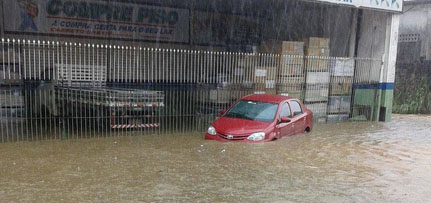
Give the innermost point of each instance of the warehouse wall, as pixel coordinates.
(300, 20)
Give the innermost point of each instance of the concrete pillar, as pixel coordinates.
(353, 30)
(378, 39)
(388, 73)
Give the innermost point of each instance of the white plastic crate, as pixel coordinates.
(317, 78)
(73, 73)
(339, 104)
(318, 109)
(316, 93)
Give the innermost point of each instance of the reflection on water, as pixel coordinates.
(345, 162)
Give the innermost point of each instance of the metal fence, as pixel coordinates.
(59, 90)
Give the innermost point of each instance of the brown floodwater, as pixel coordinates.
(346, 162)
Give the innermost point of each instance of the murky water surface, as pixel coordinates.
(348, 162)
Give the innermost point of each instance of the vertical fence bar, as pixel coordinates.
(11, 72)
(21, 116)
(46, 119)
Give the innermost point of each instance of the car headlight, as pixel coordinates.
(212, 130)
(256, 136)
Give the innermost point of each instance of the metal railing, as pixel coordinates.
(59, 90)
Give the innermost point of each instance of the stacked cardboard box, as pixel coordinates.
(340, 89)
(317, 51)
(282, 47)
(317, 84)
(291, 86)
(291, 55)
(317, 42)
(342, 71)
(290, 78)
(242, 75)
(291, 66)
(239, 75)
(264, 78)
(292, 59)
(317, 76)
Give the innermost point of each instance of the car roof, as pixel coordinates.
(272, 98)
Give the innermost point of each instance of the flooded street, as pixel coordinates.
(345, 162)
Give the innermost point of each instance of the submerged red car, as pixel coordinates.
(260, 118)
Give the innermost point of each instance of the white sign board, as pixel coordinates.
(343, 67)
(93, 18)
(260, 72)
(389, 5)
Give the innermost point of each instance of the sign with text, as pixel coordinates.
(389, 5)
(97, 19)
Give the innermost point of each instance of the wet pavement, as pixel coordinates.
(347, 162)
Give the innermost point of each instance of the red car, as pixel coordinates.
(260, 118)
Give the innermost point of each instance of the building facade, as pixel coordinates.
(352, 44)
(413, 61)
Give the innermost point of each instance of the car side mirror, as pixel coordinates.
(285, 119)
(222, 112)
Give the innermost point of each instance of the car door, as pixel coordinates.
(298, 120)
(285, 129)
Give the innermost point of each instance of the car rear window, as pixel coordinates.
(252, 110)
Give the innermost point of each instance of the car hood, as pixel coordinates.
(235, 126)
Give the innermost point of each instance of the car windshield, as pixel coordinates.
(251, 110)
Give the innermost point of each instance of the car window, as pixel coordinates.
(285, 111)
(252, 110)
(296, 108)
